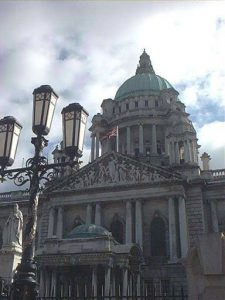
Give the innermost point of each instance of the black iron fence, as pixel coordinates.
(152, 297)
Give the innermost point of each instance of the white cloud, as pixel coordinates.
(211, 139)
(86, 50)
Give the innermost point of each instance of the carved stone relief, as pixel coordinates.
(110, 171)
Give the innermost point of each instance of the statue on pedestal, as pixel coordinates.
(13, 229)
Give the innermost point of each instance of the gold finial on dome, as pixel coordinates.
(145, 65)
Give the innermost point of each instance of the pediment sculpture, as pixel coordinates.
(114, 169)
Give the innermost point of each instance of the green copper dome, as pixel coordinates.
(143, 82)
(88, 231)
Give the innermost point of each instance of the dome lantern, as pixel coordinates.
(145, 65)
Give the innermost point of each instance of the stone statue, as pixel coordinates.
(12, 231)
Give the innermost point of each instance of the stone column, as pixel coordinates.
(42, 283)
(92, 147)
(172, 152)
(138, 285)
(154, 139)
(141, 139)
(98, 219)
(113, 285)
(195, 150)
(186, 158)
(51, 222)
(47, 284)
(88, 214)
(94, 282)
(191, 151)
(60, 223)
(128, 141)
(53, 284)
(125, 283)
(214, 217)
(97, 144)
(177, 154)
(183, 227)
(107, 281)
(138, 224)
(128, 223)
(172, 229)
(167, 146)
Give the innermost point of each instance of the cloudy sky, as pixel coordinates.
(86, 49)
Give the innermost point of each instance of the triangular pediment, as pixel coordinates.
(113, 169)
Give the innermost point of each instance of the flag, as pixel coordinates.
(109, 134)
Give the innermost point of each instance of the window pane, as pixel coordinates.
(82, 131)
(8, 143)
(2, 144)
(76, 133)
(50, 115)
(14, 145)
(38, 111)
(69, 133)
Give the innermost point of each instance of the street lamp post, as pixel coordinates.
(24, 286)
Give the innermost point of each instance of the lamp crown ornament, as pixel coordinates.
(37, 169)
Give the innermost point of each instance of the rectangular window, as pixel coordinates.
(146, 103)
(119, 109)
(136, 104)
(113, 110)
(127, 106)
(156, 103)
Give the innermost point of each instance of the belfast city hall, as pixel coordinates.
(144, 219)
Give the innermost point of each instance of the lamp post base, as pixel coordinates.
(24, 286)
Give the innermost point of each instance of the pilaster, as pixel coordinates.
(183, 227)
(98, 214)
(138, 223)
(128, 223)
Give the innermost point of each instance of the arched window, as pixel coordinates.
(117, 229)
(158, 237)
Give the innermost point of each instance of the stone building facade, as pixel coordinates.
(131, 221)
